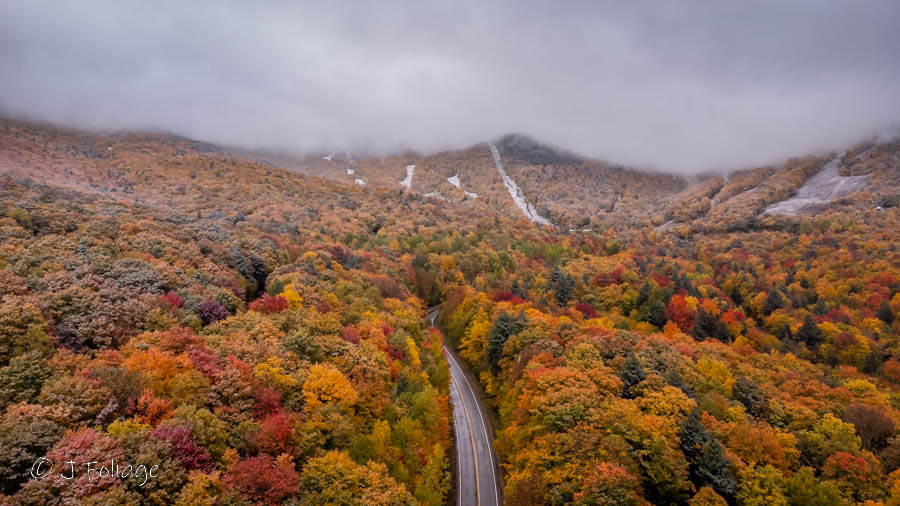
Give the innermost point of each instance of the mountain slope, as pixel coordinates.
(257, 333)
(576, 193)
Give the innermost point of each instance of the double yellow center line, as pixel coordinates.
(462, 399)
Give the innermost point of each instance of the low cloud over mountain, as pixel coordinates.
(681, 87)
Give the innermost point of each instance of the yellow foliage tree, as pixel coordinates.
(273, 375)
(293, 298)
(716, 374)
(325, 384)
(474, 342)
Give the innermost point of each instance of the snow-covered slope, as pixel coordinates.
(409, 175)
(823, 188)
(515, 192)
(454, 180)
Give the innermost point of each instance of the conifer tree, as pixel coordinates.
(884, 313)
(809, 333)
(773, 301)
(632, 374)
(706, 458)
(563, 286)
(707, 325)
(656, 313)
(504, 326)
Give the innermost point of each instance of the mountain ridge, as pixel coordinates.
(569, 191)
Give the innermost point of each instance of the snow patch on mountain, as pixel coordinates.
(821, 189)
(454, 180)
(515, 192)
(359, 181)
(438, 196)
(409, 175)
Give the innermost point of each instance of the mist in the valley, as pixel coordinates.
(680, 86)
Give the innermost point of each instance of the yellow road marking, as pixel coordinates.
(462, 398)
(431, 316)
(483, 427)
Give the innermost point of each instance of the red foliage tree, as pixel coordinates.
(262, 480)
(173, 300)
(350, 334)
(681, 313)
(268, 304)
(266, 400)
(207, 362)
(274, 434)
(504, 296)
(586, 309)
(184, 449)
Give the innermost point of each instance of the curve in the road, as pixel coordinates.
(474, 442)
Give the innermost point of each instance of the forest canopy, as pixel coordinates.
(259, 335)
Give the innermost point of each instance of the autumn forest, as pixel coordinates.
(259, 333)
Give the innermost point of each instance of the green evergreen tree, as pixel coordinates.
(820, 308)
(517, 289)
(773, 301)
(784, 333)
(707, 326)
(563, 286)
(632, 374)
(884, 313)
(643, 295)
(683, 283)
(873, 362)
(656, 313)
(809, 333)
(673, 378)
(708, 465)
(504, 326)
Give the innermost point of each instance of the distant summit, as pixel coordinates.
(522, 148)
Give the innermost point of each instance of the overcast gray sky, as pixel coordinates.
(682, 86)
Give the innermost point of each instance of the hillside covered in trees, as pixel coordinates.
(577, 193)
(258, 334)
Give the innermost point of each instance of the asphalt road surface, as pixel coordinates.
(476, 469)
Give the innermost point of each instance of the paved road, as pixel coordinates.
(477, 474)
